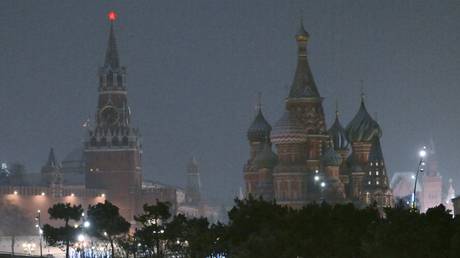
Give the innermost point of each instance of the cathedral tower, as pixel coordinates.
(375, 183)
(300, 135)
(258, 171)
(112, 148)
(361, 132)
(305, 102)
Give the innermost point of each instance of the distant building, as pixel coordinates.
(450, 195)
(402, 184)
(456, 205)
(431, 195)
(313, 163)
(431, 191)
(194, 205)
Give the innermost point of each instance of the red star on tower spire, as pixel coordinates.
(112, 16)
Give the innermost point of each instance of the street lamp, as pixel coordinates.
(81, 238)
(40, 231)
(86, 224)
(422, 154)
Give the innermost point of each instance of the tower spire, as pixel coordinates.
(111, 55)
(304, 85)
(337, 113)
(259, 102)
(363, 96)
(51, 159)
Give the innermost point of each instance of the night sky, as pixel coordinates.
(195, 67)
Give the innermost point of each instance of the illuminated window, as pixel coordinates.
(376, 173)
(376, 163)
(377, 182)
(368, 182)
(370, 173)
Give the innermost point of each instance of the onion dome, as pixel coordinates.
(331, 158)
(363, 128)
(260, 129)
(266, 158)
(288, 130)
(338, 135)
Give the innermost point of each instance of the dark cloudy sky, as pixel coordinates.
(195, 67)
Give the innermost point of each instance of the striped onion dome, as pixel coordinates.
(288, 130)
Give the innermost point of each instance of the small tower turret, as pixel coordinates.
(193, 187)
(376, 186)
(339, 137)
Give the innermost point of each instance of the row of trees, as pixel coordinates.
(159, 233)
(258, 228)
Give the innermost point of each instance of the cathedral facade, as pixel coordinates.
(313, 163)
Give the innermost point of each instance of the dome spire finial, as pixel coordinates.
(363, 95)
(302, 34)
(337, 113)
(259, 102)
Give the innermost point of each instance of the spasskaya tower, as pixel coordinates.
(112, 146)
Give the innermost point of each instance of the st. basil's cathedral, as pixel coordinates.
(313, 163)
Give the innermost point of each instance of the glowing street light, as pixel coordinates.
(316, 178)
(323, 184)
(81, 238)
(40, 230)
(422, 154)
(86, 224)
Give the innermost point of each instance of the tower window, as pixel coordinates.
(119, 81)
(110, 79)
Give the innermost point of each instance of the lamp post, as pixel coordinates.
(40, 231)
(422, 155)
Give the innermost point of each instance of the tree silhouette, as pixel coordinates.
(152, 222)
(64, 235)
(107, 223)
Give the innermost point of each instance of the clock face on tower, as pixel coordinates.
(109, 115)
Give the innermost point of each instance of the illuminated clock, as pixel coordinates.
(109, 115)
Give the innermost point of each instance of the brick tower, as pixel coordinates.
(300, 135)
(112, 147)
